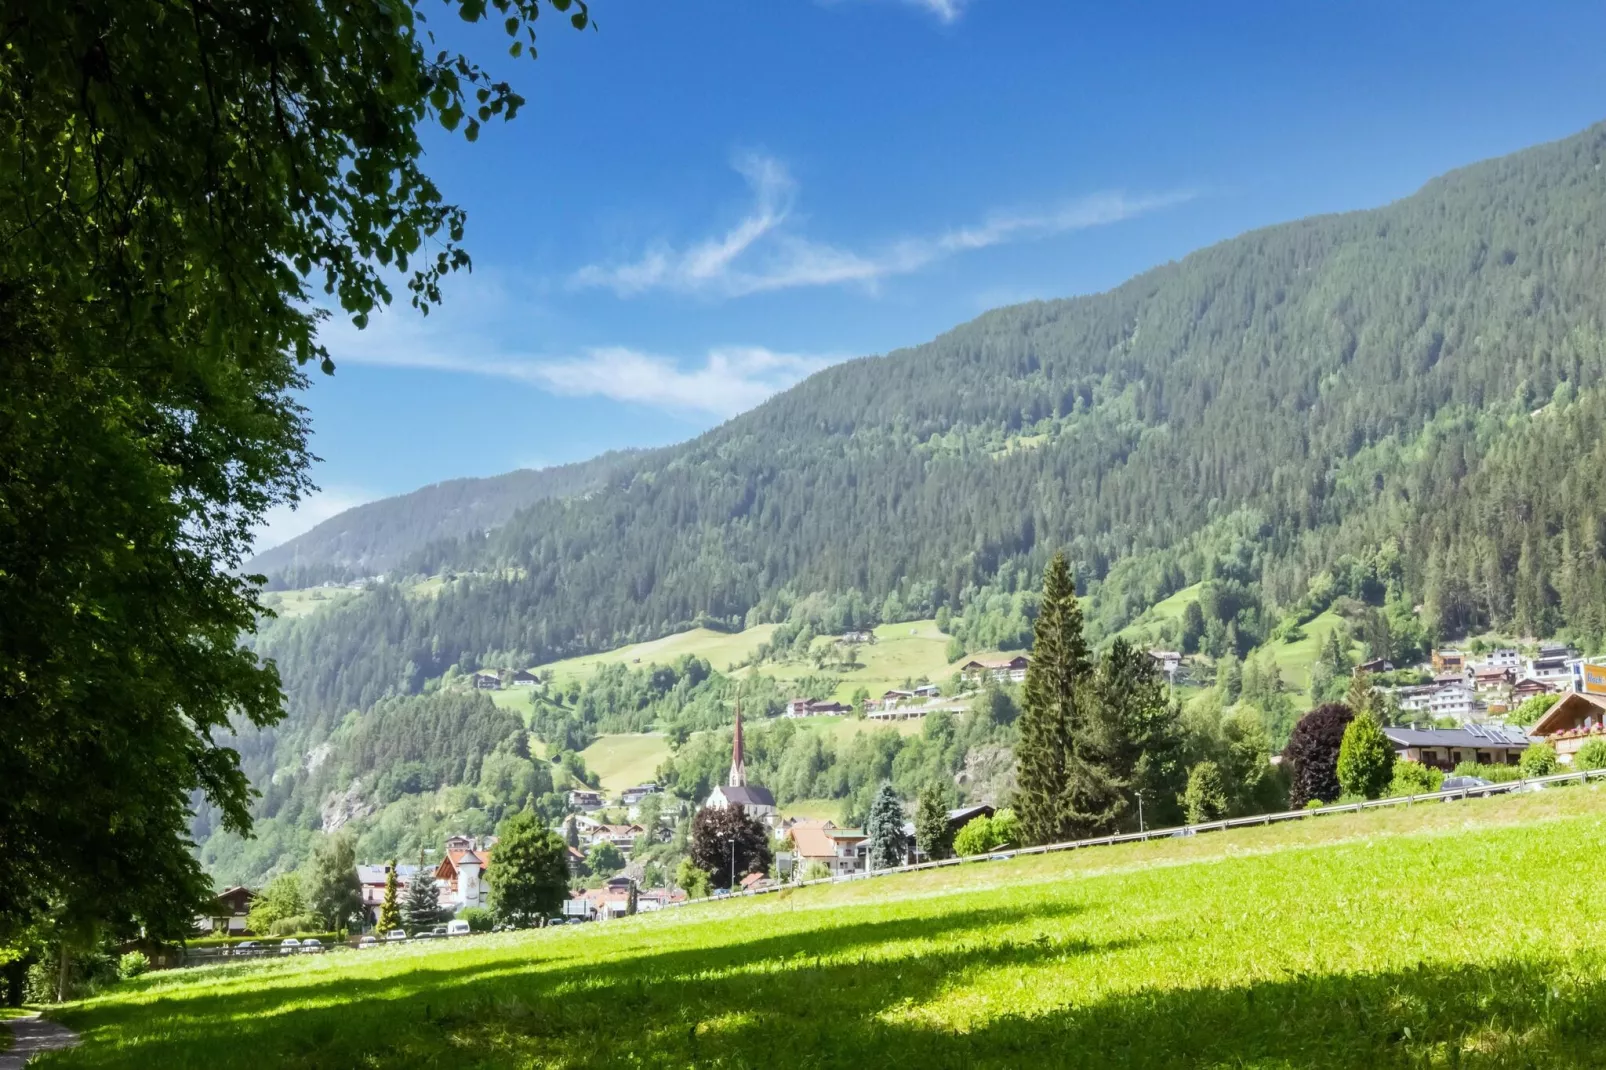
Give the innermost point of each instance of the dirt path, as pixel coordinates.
(31, 1036)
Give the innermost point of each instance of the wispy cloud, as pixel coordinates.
(760, 253)
(723, 381)
(944, 10)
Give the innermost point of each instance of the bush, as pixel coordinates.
(1414, 778)
(1495, 774)
(296, 923)
(1314, 804)
(1312, 753)
(1539, 760)
(976, 838)
(1205, 798)
(1365, 758)
(132, 965)
(1592, 755)
(816, 871)
(480, 919)
(1006, 828)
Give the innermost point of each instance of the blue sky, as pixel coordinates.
(704, 202)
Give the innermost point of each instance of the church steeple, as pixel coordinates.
(738, 777)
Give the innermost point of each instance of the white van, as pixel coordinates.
(457, 928)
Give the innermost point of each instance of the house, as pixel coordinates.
(229, 909)
(1446, 748)
(805, 707)
(621, 836)
(1504, 658)
(1449, 661)
(576, 860)
(1575, 719)
(1011, 669)
(632, 796)
(1449, 699)
(1376, 665)
(461, 874)
(957, 819)
(1554, 664)
(838, 850)
(371, 879)
(857, 637)
(753, 798)
(585, 800)
(487, 680)
(927, 691)
(888, 700)
(1487, 678)
(755, 882)
(1528, 687)
(1167, 661)
(524, 678)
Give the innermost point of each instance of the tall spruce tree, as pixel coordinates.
(888, 845)
(421, 908)
(933, 835)
(1043, 755)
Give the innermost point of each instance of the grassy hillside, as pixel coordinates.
(1314, 945)
(721, 649)
(1295, 660)
(1145, 629)
(624, 761)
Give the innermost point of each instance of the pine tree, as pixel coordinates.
(1043, 754)
(888, 847)
(421, 909)
(1359, 697)
(389, 911)
(933, 835)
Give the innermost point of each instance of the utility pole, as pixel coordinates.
(733, 865)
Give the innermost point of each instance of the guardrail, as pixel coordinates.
(1174, 831)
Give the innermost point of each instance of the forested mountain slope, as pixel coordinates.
(1273, 402)
(373, 538)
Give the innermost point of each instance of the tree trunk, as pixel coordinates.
(61, 977)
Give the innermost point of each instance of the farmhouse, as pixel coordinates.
(1572, 721)
(228, 912)
(1167, 661)
(838, 850)
(805, 707)
(632, 796)
(1449, 661)
(1446, 748)
(585, 800)
(1012, 669)
(1528, 687)
(524, 678)
(487, 680)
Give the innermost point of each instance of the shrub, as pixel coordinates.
(1205, 798)
(1592, 755)
(1314, 804)
(815, 871)
(480, 919)
(1006, 828)
(1495, 774)
(296, 923)
(1312, 753)
(976, 838)
(1414, 778)
(1365, 758)
(1539, 760)
(132, 964)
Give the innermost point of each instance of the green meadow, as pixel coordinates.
(1470, 934)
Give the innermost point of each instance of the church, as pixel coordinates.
(753, 798)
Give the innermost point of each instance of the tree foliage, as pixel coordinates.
(180, 182)
(1539, 759)
(529, 872)
(390, 917)
(1055, 778)
(1206, 796)
(934, 836)
(727, 844)
(1365, 758)
(887, 844)
(421, 905)
(1312, 754)
(333, 891)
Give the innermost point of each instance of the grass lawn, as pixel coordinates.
(1470, 934)
(623, 761)
(906, 651)
(518, 700)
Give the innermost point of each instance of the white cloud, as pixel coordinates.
(284, 522)
(725, 381)
(760, 254)
(944, 10)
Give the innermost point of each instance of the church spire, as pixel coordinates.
(738, 777)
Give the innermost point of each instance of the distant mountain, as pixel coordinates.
(373, 538)
(1399, 404)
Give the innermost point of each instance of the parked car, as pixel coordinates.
(427, 934)
(289, 946)
(245, 947)
(439, 930)
(311, 946)
(396, 934)
(368, 940)
(457, 927)
(1463, 783)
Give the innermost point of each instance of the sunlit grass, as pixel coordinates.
(1467, 934)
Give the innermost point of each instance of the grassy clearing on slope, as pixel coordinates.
(722, 649)
(1145, 630)
(623, 761)
(1465, 935)
(906, 651)
(303, 602)
(1295, 660)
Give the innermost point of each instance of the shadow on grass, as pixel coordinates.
(852, 996)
